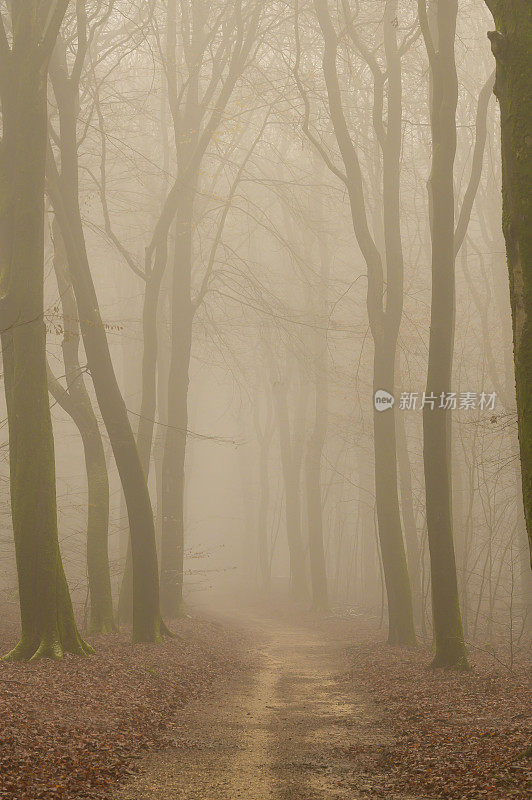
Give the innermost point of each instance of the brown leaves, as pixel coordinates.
(457, 735)
(73, 729)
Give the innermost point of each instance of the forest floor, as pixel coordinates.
(263, 702)
(75, 729)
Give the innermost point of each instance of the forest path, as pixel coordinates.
(279, 731)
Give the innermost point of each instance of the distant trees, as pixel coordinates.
(510, 43)
(217, 44)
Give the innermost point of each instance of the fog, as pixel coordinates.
(278, 337)
(263, 249)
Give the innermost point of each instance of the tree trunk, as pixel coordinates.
(148, 405)
(63, 190)
(48, 626)
(408, 513)
(163, 367)
(75, 401)
(318, 572)
(384, 323)
(292, 483)
(400, 616)
(264, 502)
(173, 468)
(448, 633)
(510, 44)
(319, 345)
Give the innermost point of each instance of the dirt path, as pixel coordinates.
(280, 731)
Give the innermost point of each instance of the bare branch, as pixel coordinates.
(208, 272)
(425, 30)
(51, 28)
(305, 123)
(476, 166)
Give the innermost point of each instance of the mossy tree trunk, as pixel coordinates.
(511, 46)
(48, 626)
(439, 40)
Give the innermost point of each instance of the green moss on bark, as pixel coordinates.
(48, 626)
(511, 45)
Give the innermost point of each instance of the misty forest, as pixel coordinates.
(266, 440)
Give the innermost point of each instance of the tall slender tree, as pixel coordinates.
(63, 190)
(76, 401)
(234, 34)
(291, 441)
(439, 38)
(384, 315)
(316, 443)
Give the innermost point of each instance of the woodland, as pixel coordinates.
(266, 453)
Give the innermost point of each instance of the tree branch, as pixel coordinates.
(208, 272)
(305, 124)
(476, 166)
(51, 28)
(425, 30)
(5, 50)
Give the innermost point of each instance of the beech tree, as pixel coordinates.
(27, 38)
(63, 190)
(510, 43)
(316, 443)
(264, 434)
(384, 315)
(232, 33)
(439, 31)
(76, 401)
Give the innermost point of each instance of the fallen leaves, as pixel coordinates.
(457, 735)
(72, 730)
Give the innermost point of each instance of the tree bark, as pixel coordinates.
(48, 626)
(264, 438)
(63, 191)
(408, 513)
(76, 402)
(448, 632)
(175, 436)
(316, 443)
(291, 467)
(510, 44)
(384, 322)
